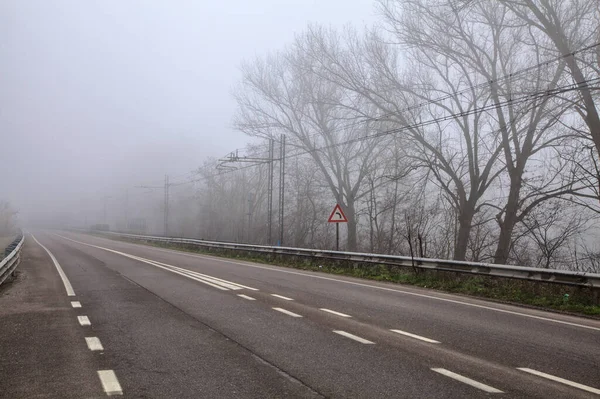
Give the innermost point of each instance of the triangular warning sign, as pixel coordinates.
(337, 216)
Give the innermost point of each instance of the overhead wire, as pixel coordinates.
(489, 107)
(503, 78)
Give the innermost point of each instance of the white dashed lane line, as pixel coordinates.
(335, 313)
(84, 321)
(94, 344)
(246, 297)
(287, 312)
(419, 337)
(561, 380)
(76, 304)
(467, 381)
(110, 383)
(354, 337)
(282, 297)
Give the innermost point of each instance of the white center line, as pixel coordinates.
(282, 297)
(287, 312)
(467, 381)
(63, 276)
(110, 383)
(94, 344)
(561, 380)
(354, 337)
(76, 304)
(431, 341)
(84, 321)
(246, 297)
(335, 313)
(202, 278)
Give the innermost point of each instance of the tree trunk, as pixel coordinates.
(465, 221)
(510, 219)
(352, 226)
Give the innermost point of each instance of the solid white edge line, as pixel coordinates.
(561, 380)
(76, 304)
(155, 264)
(110, 383)
(363, 285)
(246, 297)
(63, 276)
(94, 344)
(287, 312)
(203, 278)
(282, 297)
(372, 286)
(84, 320)
(335, 313)
(467, 381)
(354, 337)
(431, 341)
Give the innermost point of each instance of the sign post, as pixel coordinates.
(337, 216)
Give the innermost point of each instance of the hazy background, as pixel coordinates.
(97, 96)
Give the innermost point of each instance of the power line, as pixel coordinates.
(507, 78)
(528, 97)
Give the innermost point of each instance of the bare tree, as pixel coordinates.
(551, 229)
(283, 94)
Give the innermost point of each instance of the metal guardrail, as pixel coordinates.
(12, 258)
(565, 277)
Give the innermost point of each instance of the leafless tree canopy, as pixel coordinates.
(465, 129)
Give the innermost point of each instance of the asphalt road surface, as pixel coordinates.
(114, 318)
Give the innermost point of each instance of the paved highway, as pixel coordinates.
(148, 322)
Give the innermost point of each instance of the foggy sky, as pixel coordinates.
(100, 95)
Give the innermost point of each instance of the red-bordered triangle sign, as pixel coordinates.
(337, 216)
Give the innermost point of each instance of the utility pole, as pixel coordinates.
(249, 215)
(234, 157)
(126, 209)
(166, 213)
(281, 187)
(270, 190)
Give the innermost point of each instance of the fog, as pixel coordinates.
(96, 97)
(463, 130)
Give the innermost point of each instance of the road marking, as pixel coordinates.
(467, 381)
(76, 304)
(214, 258)
(62, 274)
(246, 297)
(354, 337)
(84, 321)
(94, 344)
(335, 313)
(287, 312)
(561, 380)
(215, 282)
(431, 341)
(371, 286)
(282, 297)
(110, 383)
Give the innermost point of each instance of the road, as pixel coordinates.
(169, 324)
